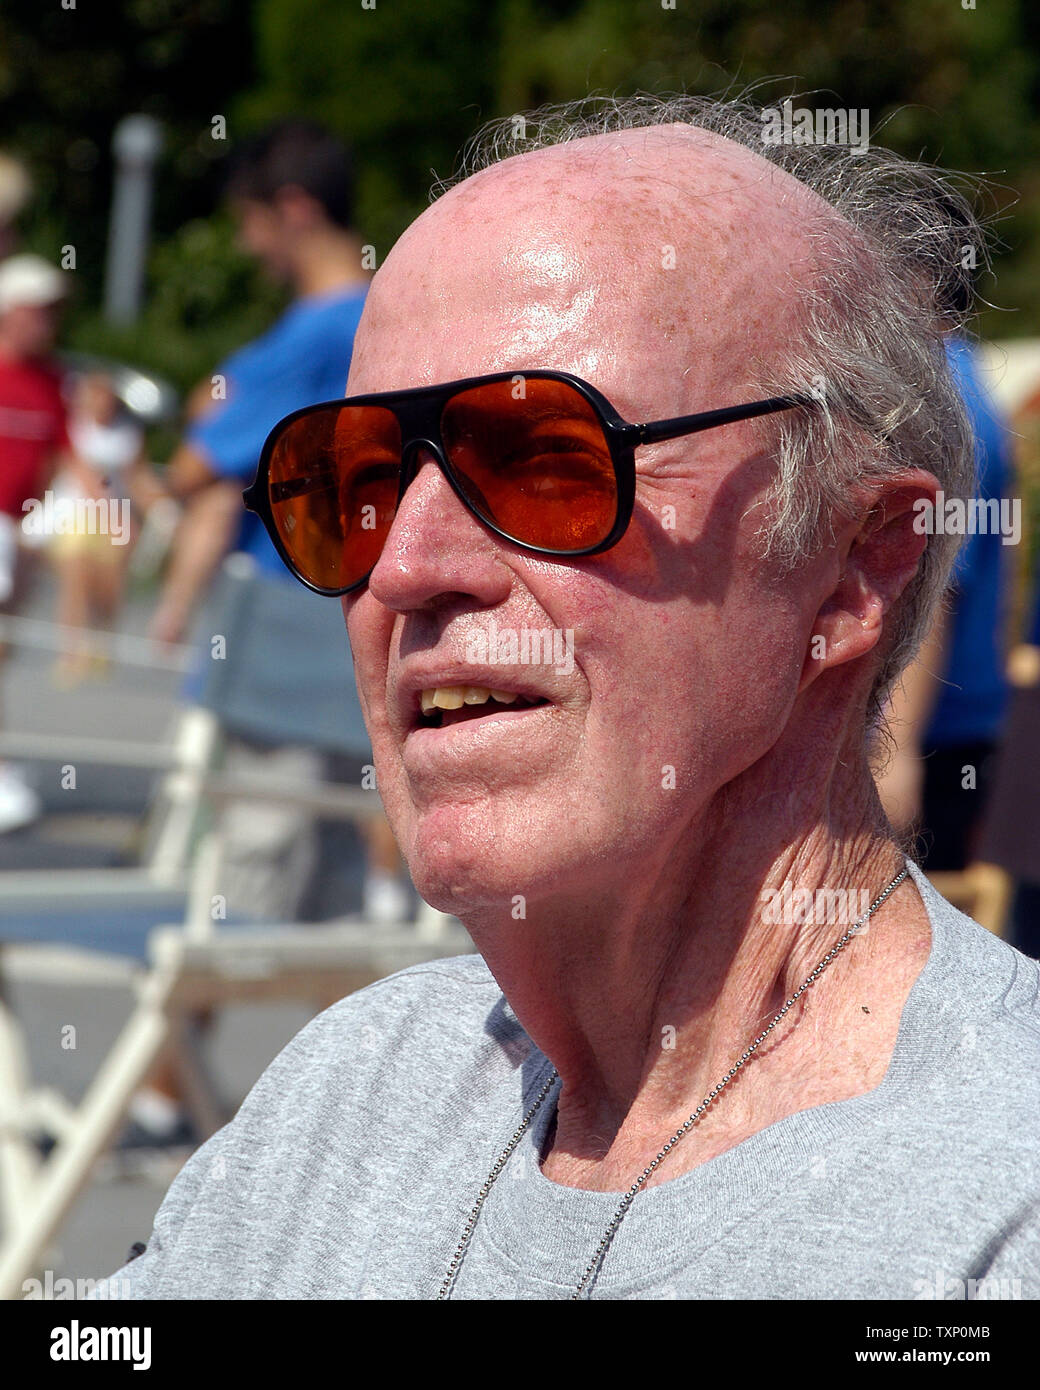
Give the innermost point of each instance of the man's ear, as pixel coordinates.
(879, 558)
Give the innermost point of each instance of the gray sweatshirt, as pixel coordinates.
(352, 1165)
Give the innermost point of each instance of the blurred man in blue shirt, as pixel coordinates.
(971, 705)
(290, 190)
(946, 717)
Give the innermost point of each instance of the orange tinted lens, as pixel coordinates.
(532, 458)
(333, 483)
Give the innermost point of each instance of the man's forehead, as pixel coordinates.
(654, 241)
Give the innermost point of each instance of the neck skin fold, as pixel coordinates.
(646, 991)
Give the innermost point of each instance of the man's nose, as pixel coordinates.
(436, 546)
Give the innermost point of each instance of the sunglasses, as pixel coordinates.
(541, 458)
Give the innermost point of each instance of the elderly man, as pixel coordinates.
(722, 1039)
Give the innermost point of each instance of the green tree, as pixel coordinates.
(408, 82)
(405, 83)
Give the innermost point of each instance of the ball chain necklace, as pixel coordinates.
(680, 1133)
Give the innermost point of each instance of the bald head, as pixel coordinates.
(659, 249)
(657, 262)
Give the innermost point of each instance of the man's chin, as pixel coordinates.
(460, 884)
(462, 865)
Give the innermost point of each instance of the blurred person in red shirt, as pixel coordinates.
(33, 442)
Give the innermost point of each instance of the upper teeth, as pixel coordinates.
(455, 696)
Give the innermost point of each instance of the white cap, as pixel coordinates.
(28, 279)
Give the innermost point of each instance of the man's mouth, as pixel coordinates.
(454, 704)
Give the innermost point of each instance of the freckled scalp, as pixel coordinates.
(663, 245)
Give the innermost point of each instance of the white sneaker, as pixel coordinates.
(19, 804)
(385, 899)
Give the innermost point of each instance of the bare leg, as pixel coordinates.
(106, 589)
(158, 1106)
(106, 583)
(386, 898)
(73, 570)
(381, 848)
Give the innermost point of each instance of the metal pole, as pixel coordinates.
(135, 144)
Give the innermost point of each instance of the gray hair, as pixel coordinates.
(872, 327)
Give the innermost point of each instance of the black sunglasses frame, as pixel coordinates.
(419, 410)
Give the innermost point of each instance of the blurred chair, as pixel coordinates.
(981, 890)
(275, 671)
(205, 960)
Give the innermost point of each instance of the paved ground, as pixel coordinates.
(120, 1203)
(94, 821)
(97, 824)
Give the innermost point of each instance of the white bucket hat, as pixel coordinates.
(29, 279)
